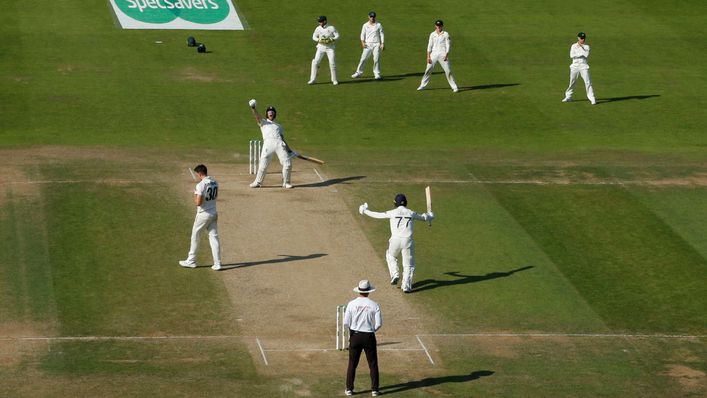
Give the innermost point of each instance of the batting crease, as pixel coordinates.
(262, 352)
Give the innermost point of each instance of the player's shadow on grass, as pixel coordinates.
(488, 86)
(434, 381)
(371, 80)
(331, 181)
(428, 284)
(285, 258)
(629, 97)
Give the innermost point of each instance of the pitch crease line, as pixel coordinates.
(425, 348)
(588, 335)
(262, 352)
(318, 175)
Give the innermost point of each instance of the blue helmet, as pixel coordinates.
(401, 200)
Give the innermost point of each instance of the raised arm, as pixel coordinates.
(363, 209)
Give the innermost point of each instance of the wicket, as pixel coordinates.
(341, 331)
(254, 156)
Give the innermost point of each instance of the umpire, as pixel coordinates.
(363, 318)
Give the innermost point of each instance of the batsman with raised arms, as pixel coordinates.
(402, 221)
(273, 142)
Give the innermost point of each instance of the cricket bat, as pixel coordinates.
(428, 195)
(310, 159)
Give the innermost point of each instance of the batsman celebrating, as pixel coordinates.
(402, 220)
(273, 142)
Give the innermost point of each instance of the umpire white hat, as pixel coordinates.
(364, 286)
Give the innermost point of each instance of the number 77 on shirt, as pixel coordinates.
(428, 195)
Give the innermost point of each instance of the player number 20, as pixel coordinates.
(407, 223)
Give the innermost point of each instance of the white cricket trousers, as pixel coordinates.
(406, 247)
(370, 49)
(209, 222)
(584, 72)
(438, 57)
(271, 146)
(318, 59)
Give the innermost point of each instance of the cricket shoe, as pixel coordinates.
(394, 280)
(287, 186)
(336, 83)
(310, 82)
(420, 88)
(456, 90)
(594, 102)
(348, 392)
(216, 267)
(407, 291)
(356, 75)
(375, 393)
(187, 264)
(378, 77)
(254, 184)
(567, 100)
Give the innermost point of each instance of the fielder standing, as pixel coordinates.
(402, 220)
(373, 42)
(205, 195)
(579, 52)
(325, 36)
(273, 142)
(438, 47)
(363, 318)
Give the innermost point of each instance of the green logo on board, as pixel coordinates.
(164, 11)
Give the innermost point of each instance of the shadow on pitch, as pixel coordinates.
(434, 381)
(285, 258)
(331, 181)
(372, 80)
(630, 97)
(428, 284)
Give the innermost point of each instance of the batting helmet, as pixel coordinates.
(271, 108)
(321, 18)
(191, 41)
(400, 200)
(201, 48)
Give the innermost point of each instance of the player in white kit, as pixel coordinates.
(373, 43)
(579, 52)
(273, 142)
(205, 195)
(402, 220)
(438, 47)
(325, 36)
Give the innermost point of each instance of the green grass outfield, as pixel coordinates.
(562, 228)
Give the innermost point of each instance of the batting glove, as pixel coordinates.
(252, 103)
(363, 208)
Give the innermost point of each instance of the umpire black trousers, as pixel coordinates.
(361, 341)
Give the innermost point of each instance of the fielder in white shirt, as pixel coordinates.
(205, 195)
(325, 36)
(579, 52)
(273, 143)
(402, 221)
(373, 42)
(438, 47)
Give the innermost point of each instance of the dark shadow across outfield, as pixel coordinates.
(434, 381)
(331, 181)
(285, 259)
(428, 284)
(630, 97)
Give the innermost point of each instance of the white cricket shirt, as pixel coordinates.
(579, 55)
(402, 220)
(363, 315)
(439, 43)
(207, 189)
(327, 31)
(271, 130)
(372, 33)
